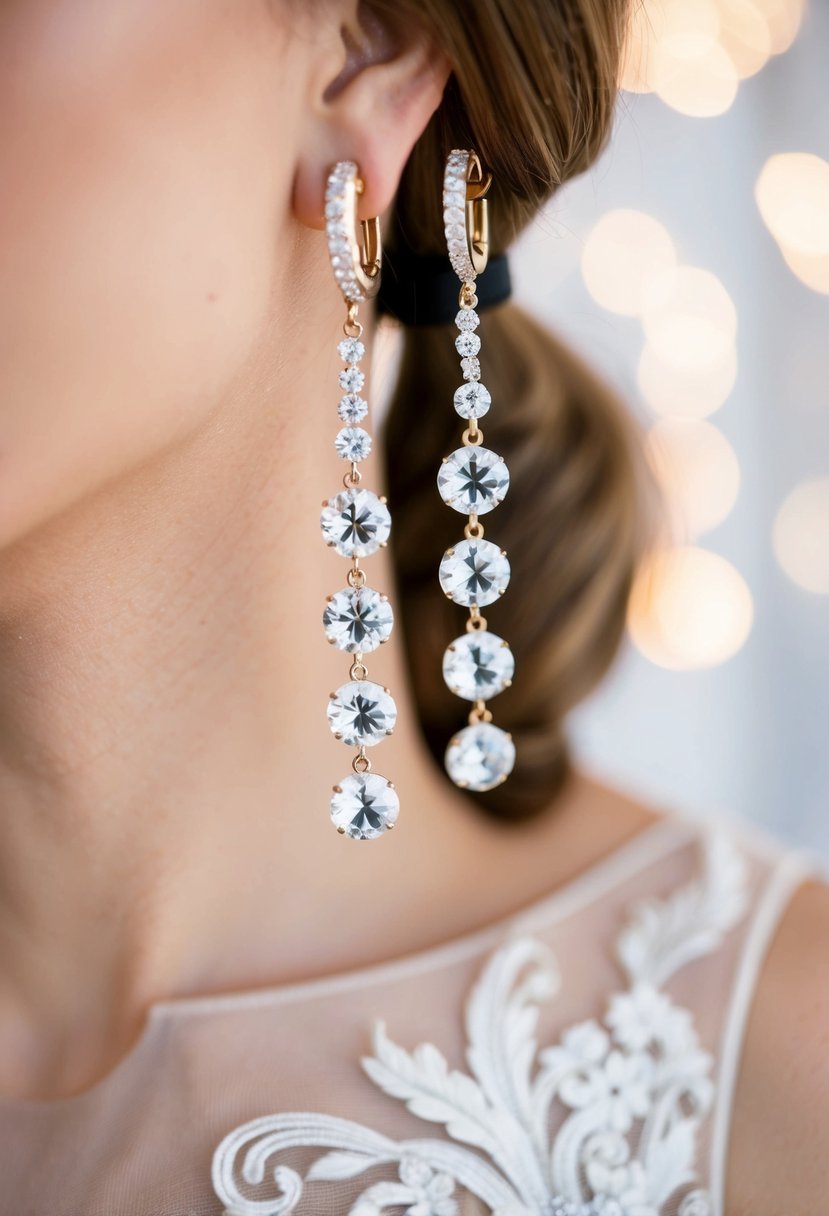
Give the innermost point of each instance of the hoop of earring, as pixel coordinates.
(473, 480)
(356, 523)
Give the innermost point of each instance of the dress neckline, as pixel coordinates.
(648, 845)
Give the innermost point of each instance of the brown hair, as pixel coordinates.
(533, 91)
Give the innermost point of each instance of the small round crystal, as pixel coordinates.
(358, 619)
(467, 343)
(351, 350)
(353, 443)
(474, 572)
(355, 523)
(478, 666)
(364, 806)
(480, 757)
(467, 319)
(471, 368)
(352, 380)
(472, 400)
(361, 713)
(473, 480)
(352, 408)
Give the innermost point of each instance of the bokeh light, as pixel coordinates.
(693, 53)
(800, 536)
(623, 253)
(694, 74)
(698, 471)
(689, 609)
(792, 193)
(689, 392)
(689, 318)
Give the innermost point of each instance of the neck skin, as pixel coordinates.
(165, 762)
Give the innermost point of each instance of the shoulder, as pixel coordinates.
(779, 1146)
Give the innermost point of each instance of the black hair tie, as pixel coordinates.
(422, 289)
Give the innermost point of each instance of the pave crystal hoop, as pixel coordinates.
(473, 480)
(356, 523)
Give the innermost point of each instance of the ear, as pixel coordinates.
(371, 99)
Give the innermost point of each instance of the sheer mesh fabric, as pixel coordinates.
(140, 1142)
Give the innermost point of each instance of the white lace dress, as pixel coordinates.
(577, 1058)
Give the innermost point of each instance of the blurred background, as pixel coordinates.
(692, 267)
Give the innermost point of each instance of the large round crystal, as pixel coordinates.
(474, 572)
(473, 480)
(364, 805)
(480, 757)
(358, 619)
(361, 713)
(355, 523)
(478, 666)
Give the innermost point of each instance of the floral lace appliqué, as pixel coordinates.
(635, 1088)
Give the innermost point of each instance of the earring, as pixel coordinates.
(356, 523)
(473, 480)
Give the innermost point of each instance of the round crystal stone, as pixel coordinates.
(352, 350)
(352, 408)
(353, 443)
(480, 757)
(364, 805)
(471, 368)
(467, 320)
(352, 379)
(358, 619)
(474, 572)
(361, 713)
(467, 343)
(355, 523)
(473, 480)
(478, 666)
(472, 400)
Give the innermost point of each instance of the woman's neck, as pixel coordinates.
(165, 761)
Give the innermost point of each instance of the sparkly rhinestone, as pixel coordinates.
(364, 805)
(358, 619)
(480, 757)
(467, 320)
(352, 379)
(351, 350)
(478, 666)
(352, 408)
(467, 343)
(353, 443)
(473, 480)
(472, 400)
(361, 713)
(453, 215)
(474, 572)
(471, 369)
(355, 523)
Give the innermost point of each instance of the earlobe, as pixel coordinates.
(372, 112)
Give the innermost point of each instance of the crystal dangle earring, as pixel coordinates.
(356, 523)
(472, 479)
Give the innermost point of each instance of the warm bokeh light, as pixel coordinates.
(698, 471)
(690, 609)
(693, 53)
(689, 318)
(745, 34)
(624, 252)
(811, 270)
(792, 193)
(692, 392)
(694, 74)
(800, 536)
(783, 18)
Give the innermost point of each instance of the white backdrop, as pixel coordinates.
(748, 736)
